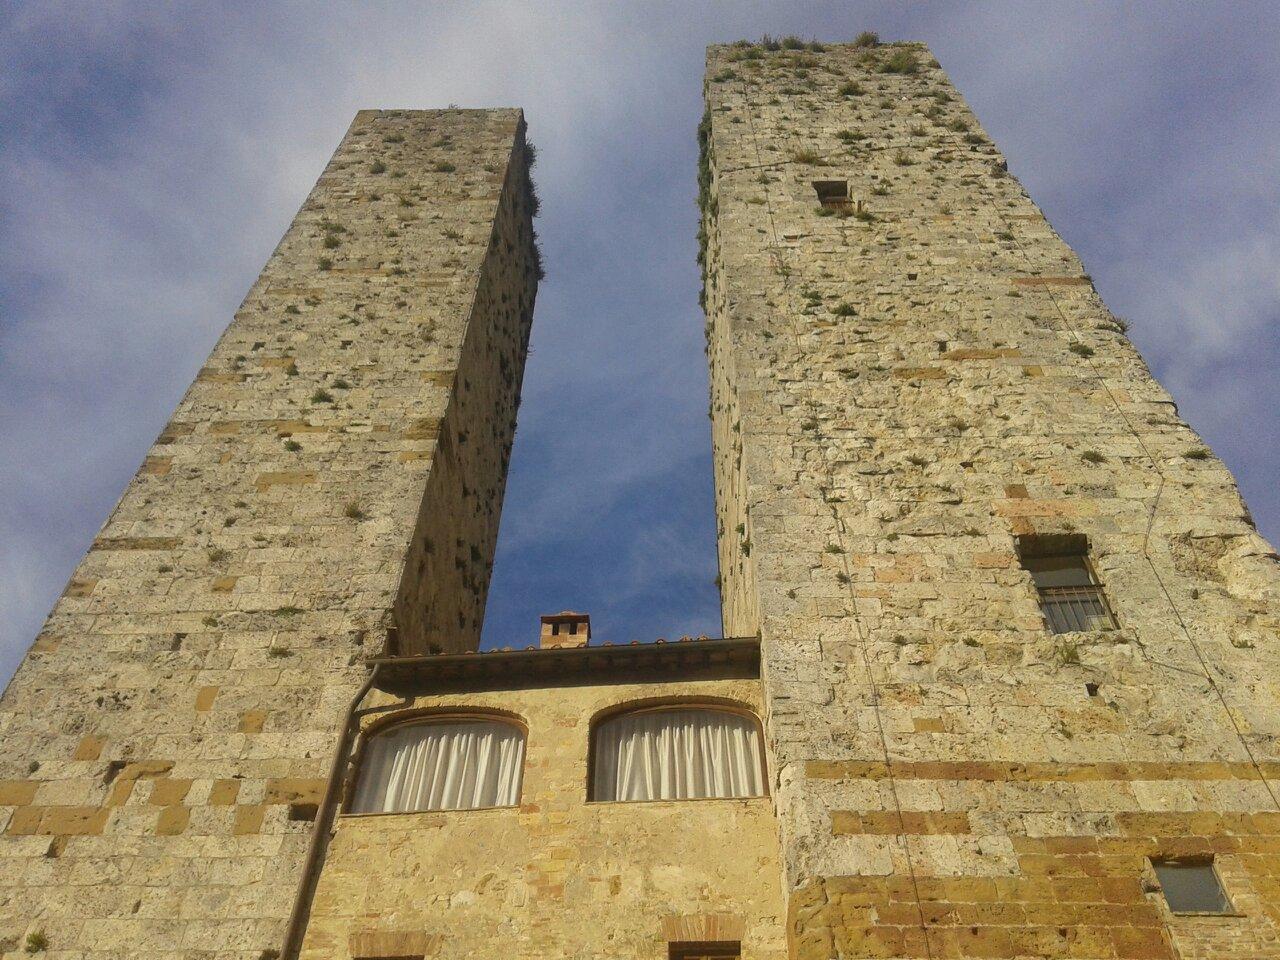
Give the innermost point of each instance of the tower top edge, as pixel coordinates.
(370, 113)
(714, 49)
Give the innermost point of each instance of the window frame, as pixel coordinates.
(669, 705)
(1095, 582)
(425, 717)
(1209, 862)
(1033, 547)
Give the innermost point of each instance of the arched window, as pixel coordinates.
(447, 763)
(677, 753)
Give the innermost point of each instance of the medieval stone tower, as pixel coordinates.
(327, 491)
(1005, 620)
(1018, 630)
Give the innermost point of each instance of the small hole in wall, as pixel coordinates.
(832, 193)
(1091, 689)
(303, 812)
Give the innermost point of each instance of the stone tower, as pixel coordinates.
(923, 413)
(327, 491)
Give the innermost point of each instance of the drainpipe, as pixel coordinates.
(301, 911)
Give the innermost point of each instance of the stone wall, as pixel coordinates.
(899, 390)
(556, 876)
(188, 686)
(445, 580)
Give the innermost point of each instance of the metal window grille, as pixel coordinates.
(1069, 609)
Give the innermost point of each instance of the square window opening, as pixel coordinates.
(303, 812)
(832, 193)
(1191, 886)
(1071, 597)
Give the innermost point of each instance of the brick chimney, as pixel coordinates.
(565, 629)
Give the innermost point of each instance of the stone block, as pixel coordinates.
(205, 697)
(248, 820)
(224, 792)
(73, 821)
(89, 748)
(172, 821)
(167, 791)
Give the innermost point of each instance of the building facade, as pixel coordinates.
(1018, 629)
(999, 668)
(555, 868)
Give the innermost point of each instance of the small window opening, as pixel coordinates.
(1191, 886)
(303, 812)
(833, 193)
(707, 950)
(1071, 597)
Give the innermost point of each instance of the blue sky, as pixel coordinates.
(152, 154)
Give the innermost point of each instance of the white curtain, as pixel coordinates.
(677, 755)
(456, 765)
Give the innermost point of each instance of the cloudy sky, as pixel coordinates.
(151, 155)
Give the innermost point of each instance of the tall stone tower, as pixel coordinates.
(327, 491)
(1019, 633)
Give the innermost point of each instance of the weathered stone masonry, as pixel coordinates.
(897, 395)
(333, 476)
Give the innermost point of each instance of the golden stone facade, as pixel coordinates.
(556, 875)
(918, 401)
